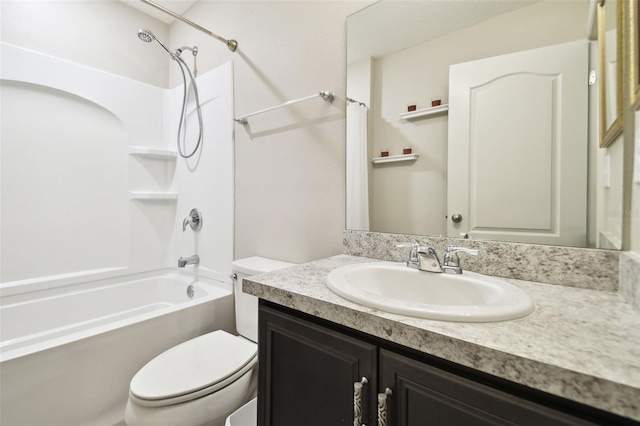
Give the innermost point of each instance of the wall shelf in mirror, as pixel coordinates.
(153, 196)
(395, 158)
(425, 112)
(156, 153)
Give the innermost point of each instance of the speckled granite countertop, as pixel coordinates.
(580, 344)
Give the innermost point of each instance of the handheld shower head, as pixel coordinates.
(147, 36)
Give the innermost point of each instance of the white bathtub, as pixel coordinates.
(68, 350)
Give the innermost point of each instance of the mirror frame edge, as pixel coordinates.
(632, 31)
(609, 135)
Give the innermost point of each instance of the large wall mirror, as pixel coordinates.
(479, 119)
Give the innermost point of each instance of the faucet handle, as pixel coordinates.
(454, 250)
(413, 255)
(412, 245)
(451, 261)
(194, 220)
(414, 248)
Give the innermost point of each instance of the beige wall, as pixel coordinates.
(610, 213)
(634, 232)
(289, 163)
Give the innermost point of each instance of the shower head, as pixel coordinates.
(147, 36)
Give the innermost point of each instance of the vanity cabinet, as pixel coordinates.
(308, 368)
(426, 395)
(306, 373)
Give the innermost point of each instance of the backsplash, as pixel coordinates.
(574, 267)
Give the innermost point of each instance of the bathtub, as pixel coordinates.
(69, 346)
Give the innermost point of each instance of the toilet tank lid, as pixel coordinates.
(258, 265)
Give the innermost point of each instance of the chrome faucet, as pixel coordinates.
(191, 260)
(426, 258)
(452, 261)
(422, 258)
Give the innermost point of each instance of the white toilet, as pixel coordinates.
(203, 380)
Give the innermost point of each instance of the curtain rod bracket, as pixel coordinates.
(232, 45)
(327, 96)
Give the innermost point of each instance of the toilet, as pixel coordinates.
(204, 380)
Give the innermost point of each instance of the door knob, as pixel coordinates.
(456, 218)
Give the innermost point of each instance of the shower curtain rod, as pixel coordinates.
(326, 96)
(231, 44)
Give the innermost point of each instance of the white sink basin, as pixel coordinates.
(396, 288)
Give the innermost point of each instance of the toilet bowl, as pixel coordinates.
(205, 379)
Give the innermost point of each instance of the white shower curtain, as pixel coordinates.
(357, 168)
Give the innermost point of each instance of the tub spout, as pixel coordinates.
(191, 260)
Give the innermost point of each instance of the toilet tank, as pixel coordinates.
(246, 304)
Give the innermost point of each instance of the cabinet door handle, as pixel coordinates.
(357, 401)
(383, 406)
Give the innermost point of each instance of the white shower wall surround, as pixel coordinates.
(67, 173)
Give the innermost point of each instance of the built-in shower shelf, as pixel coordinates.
(425, 112)
(153, 196)
(163, 154)
(395, 158)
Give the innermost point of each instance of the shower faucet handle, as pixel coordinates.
(194, 220)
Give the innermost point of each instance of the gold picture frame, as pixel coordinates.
(633, 32)
(610, 133)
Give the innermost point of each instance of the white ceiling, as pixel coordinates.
(388, 26)
(177, 6)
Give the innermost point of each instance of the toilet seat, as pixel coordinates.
(193, 369)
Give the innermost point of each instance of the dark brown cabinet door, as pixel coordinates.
(423, 395)
(307, 373)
